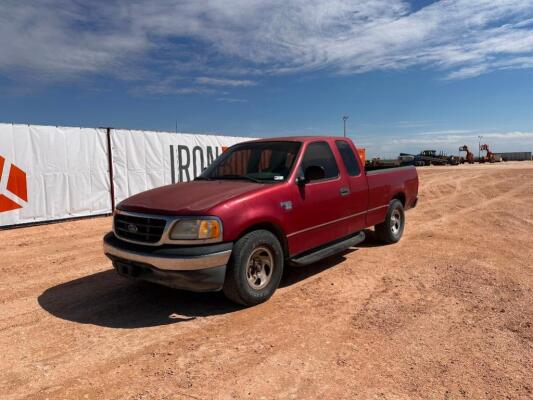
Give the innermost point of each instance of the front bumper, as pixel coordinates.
(196, 268)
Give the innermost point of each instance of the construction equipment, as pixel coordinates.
(451, 160)
(406, 159)
(378, 163)
(469, 155)
(454, 160)
(489, 157)
(428, 157)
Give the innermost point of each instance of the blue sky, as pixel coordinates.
(410, 74)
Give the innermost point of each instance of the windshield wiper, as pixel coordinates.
(249, 178)
(202, 178)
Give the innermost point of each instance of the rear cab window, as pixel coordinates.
(320, 154)
(348, 157)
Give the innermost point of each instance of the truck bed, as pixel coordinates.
(373, 170)
(388, 183)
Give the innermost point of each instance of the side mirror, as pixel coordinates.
(314, 173)
(300, 180)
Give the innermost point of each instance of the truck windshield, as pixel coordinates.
(255, 161)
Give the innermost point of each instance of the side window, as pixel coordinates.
(319, 153)
(348, 157)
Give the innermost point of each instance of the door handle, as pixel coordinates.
(344, 191)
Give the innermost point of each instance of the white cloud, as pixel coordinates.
(174, 85)
(60, 39)
(231, 100)
(468, 72)
(225, 82)
(445, 132)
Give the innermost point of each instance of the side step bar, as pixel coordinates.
(330, 250)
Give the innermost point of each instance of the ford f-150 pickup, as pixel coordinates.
(260, 207)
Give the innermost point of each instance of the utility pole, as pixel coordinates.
(344, 118)
(479, 147)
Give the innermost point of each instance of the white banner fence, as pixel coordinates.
(51, 173)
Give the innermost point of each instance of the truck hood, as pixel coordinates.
(188, 198)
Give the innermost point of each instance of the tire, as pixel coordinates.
(391, 230)
(254, 269)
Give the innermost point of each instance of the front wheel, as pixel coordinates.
(391, 230)
(255, 268)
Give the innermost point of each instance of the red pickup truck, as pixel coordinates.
(260, 207)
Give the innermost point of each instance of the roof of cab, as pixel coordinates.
(299, 138)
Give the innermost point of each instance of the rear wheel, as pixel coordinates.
(255, 268)
(391, 230)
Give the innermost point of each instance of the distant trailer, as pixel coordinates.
(515, 156)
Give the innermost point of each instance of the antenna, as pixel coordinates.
(344, 118)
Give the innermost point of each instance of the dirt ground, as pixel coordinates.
(445, 314)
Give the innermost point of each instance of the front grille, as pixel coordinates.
(139, 229)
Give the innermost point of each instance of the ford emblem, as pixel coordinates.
(132, 228)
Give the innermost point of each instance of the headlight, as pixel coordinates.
(192, 229)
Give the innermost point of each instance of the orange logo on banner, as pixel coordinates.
(16, 185)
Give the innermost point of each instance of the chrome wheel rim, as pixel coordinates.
(259, 268)
(396, 222)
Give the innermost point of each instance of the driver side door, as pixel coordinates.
(319, 206)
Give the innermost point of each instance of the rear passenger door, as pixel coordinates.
(358, 185)
(320, 206)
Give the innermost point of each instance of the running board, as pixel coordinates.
(328, 251)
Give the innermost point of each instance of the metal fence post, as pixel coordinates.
(110, 166)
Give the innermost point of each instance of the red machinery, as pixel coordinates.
(489, 157)
(469, 155)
